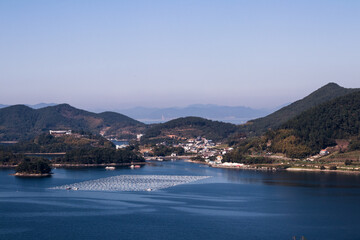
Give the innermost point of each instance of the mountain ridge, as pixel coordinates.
(23, 122)
(189, 127)
(274, 120)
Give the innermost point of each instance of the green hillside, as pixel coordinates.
(46, 143)
(319, 127)
(190, 127)
(20, 122)
(276, 119)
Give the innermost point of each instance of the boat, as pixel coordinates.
(132, 166)
(148, 189)
(109, 168)
(137, 166)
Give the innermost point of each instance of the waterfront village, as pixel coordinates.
(206, 151)
(199, 148)
(202, 148)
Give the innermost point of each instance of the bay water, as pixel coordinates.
(230, 204)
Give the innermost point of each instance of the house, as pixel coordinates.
(219, 159)
(60, 132)
(138, 137)
(121, 146)
(324, 152)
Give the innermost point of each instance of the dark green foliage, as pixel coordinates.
(320, 126)
(101, 156)
(274, 120)
(333, 168)
(236, 139)
(46, 143)
(285, 141)
(322, 167)
(20, 122)
(238, 157)
(190, 127)
(354, 144)
(17, 122)
(251, 146)
(163, 150)
(198, 158)
(348, 162)
(8, 158)
(33, 165)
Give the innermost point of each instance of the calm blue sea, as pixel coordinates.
(232, 204)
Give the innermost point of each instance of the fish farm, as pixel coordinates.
(131, 183)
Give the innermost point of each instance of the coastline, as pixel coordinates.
(319, 170)
(272, 168)
(70, 165)
(32, 174)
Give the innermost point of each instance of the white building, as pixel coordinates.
(60, 132)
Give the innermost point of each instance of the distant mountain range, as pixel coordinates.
(236, 115)
(189, 127)
(274, 120)
(23, 122)
(193, 126)
(20, 122)
(231, 114)
(35, 106)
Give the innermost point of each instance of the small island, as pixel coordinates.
(33, 167)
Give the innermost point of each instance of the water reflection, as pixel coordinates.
(232, 204)
(293, 179)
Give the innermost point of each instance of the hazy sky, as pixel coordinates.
(118, 54)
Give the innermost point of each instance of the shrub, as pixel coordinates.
(348, 162)
(34, 165)
(333, 168)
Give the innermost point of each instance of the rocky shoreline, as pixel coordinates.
(274, 168)
(32, 174)
(71, 165)
(324, 170)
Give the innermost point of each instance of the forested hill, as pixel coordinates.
(274, 120)
(189, 127)
(20, 122)
(337, 119)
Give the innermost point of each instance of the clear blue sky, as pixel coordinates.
(117, 54)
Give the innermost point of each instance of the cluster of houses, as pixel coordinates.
(197, 145)
(205, 148)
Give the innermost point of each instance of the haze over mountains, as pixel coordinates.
(231, 114)
(22, 122)
(34, 106)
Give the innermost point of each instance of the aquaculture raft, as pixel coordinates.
(132, 183)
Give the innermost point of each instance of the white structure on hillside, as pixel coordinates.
(121, 146)
(60, 132)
